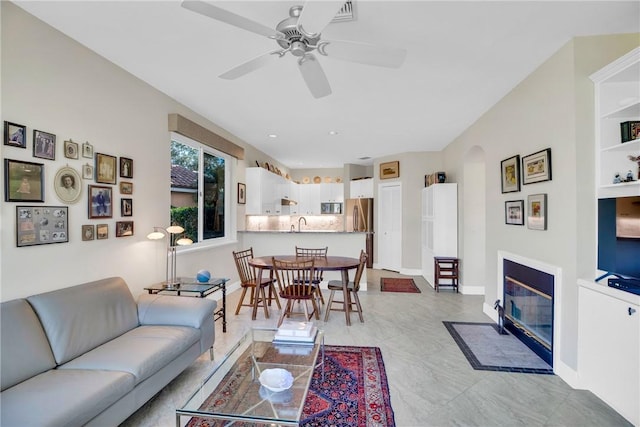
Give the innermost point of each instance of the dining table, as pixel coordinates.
(328, 263)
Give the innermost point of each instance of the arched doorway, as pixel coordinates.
(473, 240)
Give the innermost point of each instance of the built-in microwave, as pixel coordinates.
(331, 208)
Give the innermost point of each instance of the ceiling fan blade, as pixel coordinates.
(314, 76)
(363, 53)
(230, 18)
(250, 66)
(316, 15)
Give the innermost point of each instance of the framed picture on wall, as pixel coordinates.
(40, 225)
(88, 232)
(390, 170)
(87, 150)
(242, 193)
(23, 181)
(15, 135)
(126, 167)
(536, 167)
(106, 169)
(124, 228)
(537, 212)
(126, 207)
(68, 185)
(71, 149)
(100, 202)
(514, 212)
(102, 231)
(126, 187)
(44, 145)
(510, 174)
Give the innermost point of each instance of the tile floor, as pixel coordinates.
(430, 381)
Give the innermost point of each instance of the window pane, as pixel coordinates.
(214, 197)
(184, 188)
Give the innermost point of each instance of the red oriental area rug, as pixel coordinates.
(393, 284)
(353, 393)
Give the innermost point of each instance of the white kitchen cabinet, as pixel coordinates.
(309, 199)
(361, 188)
(617, 100)
(264, 192)
(332, 192)
(439, 225)
(609, 346)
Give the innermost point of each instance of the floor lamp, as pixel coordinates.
(173, 241)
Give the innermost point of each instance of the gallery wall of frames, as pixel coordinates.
(85, 173)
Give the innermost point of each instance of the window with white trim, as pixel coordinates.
(200, 189)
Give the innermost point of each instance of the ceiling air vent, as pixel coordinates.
(347, 13)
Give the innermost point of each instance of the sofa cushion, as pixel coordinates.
(80, 318)
(141, 352)
(24, 349)
(63, 397)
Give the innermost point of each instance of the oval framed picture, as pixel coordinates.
(68, 185)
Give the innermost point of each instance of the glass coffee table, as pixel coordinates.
(233, 392)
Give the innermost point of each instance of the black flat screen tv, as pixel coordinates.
(619, 236)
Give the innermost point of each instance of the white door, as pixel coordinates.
(389, 234)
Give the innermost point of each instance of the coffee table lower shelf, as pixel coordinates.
(233, 393)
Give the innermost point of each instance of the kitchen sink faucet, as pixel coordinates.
(300, 219)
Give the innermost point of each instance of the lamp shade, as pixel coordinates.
(157, 234)
(184, 241)
(175, 229)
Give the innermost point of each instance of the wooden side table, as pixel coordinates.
(446, 268)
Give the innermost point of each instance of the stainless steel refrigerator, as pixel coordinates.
(359, 218)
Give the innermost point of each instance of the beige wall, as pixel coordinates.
(551, 108)
(52, 83)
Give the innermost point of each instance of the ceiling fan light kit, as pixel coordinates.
(300, 34)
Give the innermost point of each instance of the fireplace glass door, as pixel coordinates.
(530, 310)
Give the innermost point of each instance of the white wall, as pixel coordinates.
(551, 108)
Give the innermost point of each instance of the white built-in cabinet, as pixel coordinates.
(439, 225)
(617, 98)
(609, 346)
(361, 188)
(609, 319)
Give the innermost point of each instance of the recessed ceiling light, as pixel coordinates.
(272, 135)
(333, 132)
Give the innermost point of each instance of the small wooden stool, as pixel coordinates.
(446, 268)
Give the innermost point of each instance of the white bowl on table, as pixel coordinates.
(276, 379)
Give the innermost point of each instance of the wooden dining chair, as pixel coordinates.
(249, 281)
(352, 291)
(315, 253)
(294, 284)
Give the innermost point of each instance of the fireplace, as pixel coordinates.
(528, 301)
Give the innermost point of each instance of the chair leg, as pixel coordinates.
(244, 292)
(357, 301)
(316, 308)
(328, 309)
(274, 292)
(264, 301)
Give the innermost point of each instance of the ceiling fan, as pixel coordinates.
(300, 35)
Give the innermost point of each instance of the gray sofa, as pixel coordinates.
(90, 355)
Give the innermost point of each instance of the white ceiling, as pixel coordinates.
(462, 57)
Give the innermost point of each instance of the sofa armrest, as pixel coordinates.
(173, 310)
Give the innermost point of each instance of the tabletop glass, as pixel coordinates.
(233, 392)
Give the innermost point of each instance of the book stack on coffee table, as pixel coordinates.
(297, 333)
